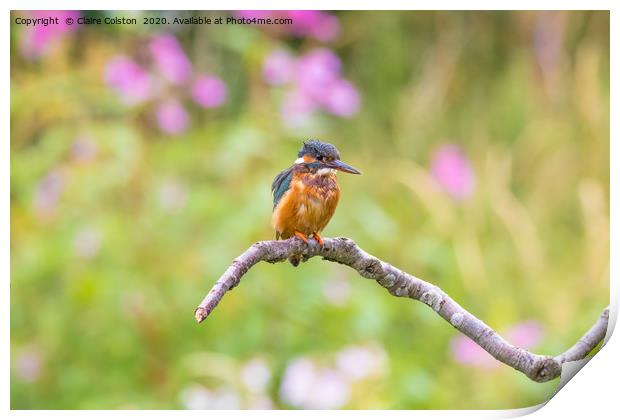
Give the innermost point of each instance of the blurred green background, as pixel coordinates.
(141, 163)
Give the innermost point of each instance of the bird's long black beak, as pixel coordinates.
(341, 166)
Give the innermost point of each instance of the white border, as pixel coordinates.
(592, 393)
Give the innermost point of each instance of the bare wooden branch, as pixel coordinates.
(539, 368)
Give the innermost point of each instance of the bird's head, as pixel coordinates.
(322, 158)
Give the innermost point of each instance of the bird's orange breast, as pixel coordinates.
(307, 206)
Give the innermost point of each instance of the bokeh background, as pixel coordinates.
(141, 163)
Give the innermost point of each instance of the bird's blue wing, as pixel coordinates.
(281, 184)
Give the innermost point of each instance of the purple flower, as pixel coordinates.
(172, 117)
(317, 71)
(278, 68)
(131, 81)
(170, 59)
(40, 40)
(452, 170)
(342, 99)
(209, 91)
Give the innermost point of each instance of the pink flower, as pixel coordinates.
(251, 14)
(314, 23)
(327, 28)
(27, 366)
(452, 170)
(547, 40)
(306, 23)
(526, 334)
(317, 71)
(130, 81)
(135, 84)
(297, 108)
(465, 351)
(314, 82)
(40, 40)
(209, 91)
(342, 99)
(278, 68)
(172, 117)
(48, 192)
(170, 59)
(84, 149)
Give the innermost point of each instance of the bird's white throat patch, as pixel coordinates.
(321, 172)
(326, 171)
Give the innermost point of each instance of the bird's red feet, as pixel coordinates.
(302, 237)
(318, 238)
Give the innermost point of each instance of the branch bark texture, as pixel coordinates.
(540, 368)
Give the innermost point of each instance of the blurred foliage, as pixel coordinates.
(118, 230)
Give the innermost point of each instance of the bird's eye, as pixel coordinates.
(319, 157)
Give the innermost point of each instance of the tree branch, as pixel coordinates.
(539, 368)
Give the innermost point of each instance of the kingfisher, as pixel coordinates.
(306, 194)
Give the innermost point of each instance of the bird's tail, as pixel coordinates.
(294, 260)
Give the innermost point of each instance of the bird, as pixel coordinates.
(305, 195)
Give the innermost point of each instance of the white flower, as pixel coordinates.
(256, 375)
(337, 291)
(197, 397)
(305, 386)
(87, 243)
(172, 196)
(260, 402)
(359, 362)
